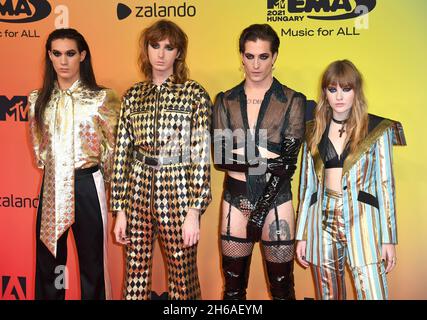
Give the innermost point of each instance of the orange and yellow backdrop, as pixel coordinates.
(388, 45)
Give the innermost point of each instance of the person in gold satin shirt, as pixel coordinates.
(161, 178)
(73, 124)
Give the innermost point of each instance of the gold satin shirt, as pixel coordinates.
(79, 132)
(95, 126)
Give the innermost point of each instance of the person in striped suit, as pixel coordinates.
(347, 210)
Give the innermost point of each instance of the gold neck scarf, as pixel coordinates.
(58, 188)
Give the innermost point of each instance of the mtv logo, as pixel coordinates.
(15, 108)
(13, 288)
(275, 4)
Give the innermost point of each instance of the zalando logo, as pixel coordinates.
(155, 10)
(23, 11)
(325, 9)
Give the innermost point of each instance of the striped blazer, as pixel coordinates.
(368, 195)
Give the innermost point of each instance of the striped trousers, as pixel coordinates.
(329, 278)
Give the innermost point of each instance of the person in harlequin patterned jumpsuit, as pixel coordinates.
(161, 179)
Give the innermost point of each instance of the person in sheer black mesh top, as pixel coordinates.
(258, 127)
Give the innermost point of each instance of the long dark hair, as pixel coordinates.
(87, 76)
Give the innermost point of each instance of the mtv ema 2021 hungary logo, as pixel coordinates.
(298, 10)
(22, 11)
(154, 10)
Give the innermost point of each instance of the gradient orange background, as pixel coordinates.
(390, 54)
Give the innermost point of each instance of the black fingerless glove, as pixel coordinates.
(285, 164)
(262, 207)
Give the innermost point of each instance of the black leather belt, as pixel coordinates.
(158, 161)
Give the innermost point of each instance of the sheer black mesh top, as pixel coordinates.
(281, 115)
(329, 154)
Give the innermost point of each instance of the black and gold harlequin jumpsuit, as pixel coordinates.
(161, 170)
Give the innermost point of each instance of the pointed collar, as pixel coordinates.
(169, 82)
(169, 85)
(375, 132)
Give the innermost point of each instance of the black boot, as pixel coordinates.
(236, 274)
(281, 279)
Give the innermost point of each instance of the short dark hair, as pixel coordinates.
(260, 31)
